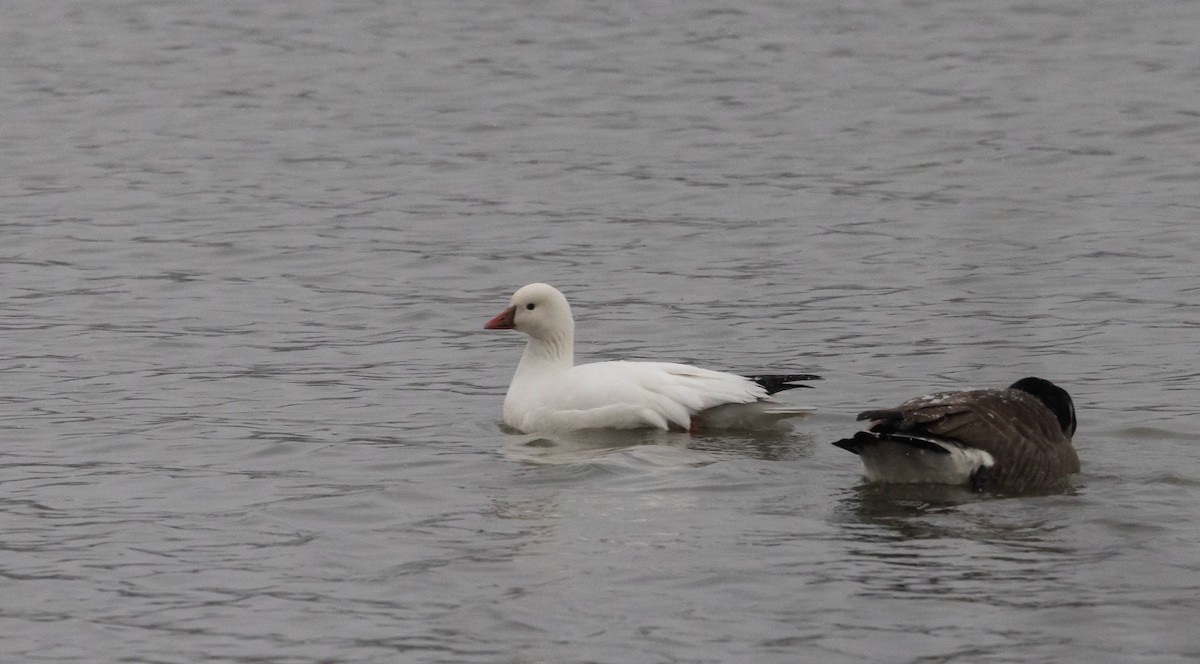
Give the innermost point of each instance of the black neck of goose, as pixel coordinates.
(1053, 397)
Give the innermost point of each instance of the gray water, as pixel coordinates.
(249, 413)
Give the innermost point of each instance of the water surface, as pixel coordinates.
(250, 414)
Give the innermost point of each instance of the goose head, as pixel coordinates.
(1053, 397)
(538, 310)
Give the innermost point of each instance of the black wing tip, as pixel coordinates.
(774, 383)
(857, 442)
(864, 439)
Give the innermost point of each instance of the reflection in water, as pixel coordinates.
(764, 445)
(675, 448)
(910, 511)
(898, 511)
(949, 544)
(882, 500)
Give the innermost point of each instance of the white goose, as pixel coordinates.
(549, 392)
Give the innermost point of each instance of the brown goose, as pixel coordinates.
(1013, 439)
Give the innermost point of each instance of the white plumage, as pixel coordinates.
(550, 393)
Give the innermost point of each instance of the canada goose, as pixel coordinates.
(1014, 439)
(549, 392)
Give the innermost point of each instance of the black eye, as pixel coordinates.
(530, 306)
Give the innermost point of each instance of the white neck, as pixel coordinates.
(555, 352)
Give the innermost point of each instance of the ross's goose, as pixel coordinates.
(1013, 439)
(549, 392)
